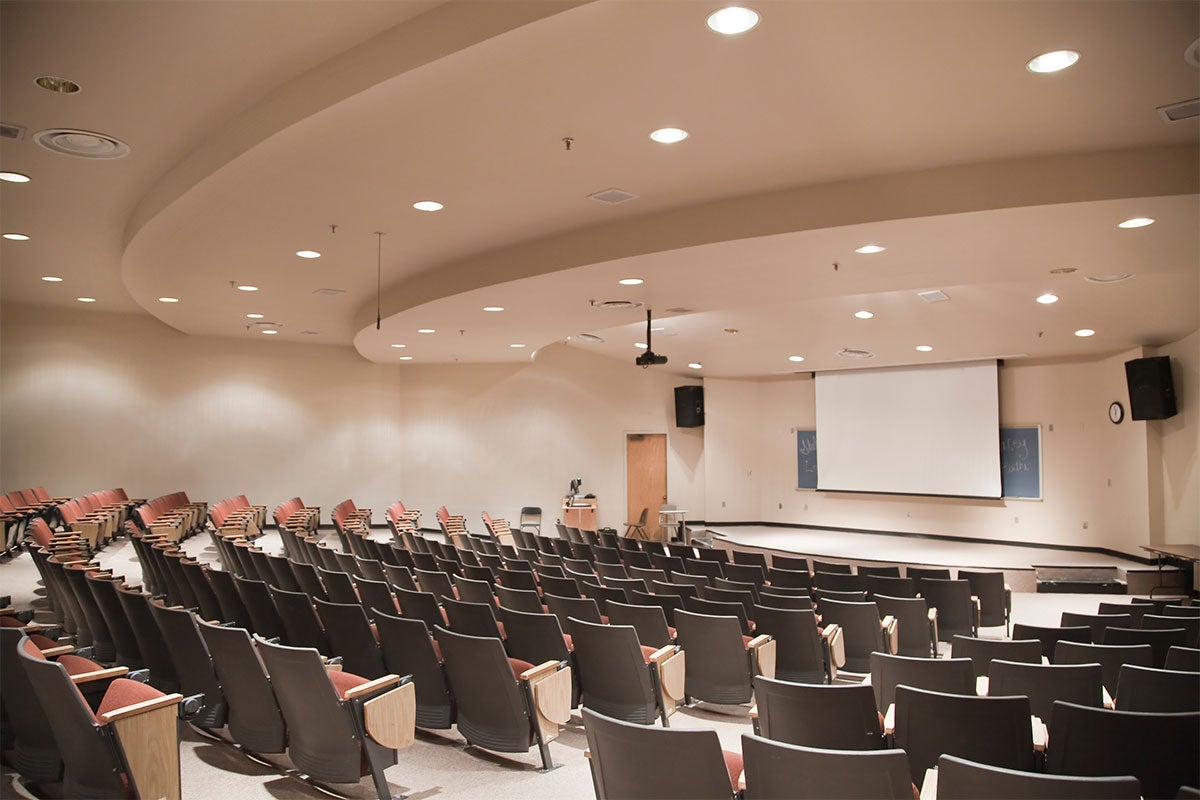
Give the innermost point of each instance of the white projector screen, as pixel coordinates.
(910, 430)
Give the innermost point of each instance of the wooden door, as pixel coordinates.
(645, 478)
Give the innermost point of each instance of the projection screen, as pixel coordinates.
(910, 430)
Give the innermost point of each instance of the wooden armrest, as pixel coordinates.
(545, 668)
(550, 692)
(758, 641)
(1040, 734)
(371, 687)
(754, 711)
(391, 718)
(889, 720)
(99, 675)
(981, 685)
(933, 615)
(762, 649)
(670, 664)
(929, 787)
(61, 650)
(891, 630)
(835, 639)
(1108, 701)
(126, 712)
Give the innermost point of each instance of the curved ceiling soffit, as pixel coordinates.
(1045, 180)
(434, 35)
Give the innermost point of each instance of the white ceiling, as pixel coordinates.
(255, 126)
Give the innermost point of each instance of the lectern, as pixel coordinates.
(580, 512)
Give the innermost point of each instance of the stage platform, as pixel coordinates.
(1017, 561)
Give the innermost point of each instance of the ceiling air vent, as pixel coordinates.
(1177, 111)
(14, 132)
(329, 292)
(612, 196)
(81, 144)
(615, 304)
(933, 296)
(309, 333)
(847, 352)
(679, 310)
(589, 337)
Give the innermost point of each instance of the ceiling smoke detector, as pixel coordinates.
(615, 304)
(847, 352)
(82, 144)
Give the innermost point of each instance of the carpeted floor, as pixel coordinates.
(439, 764)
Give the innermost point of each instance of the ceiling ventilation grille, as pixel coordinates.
(590, 337)
(14, 132)
(1179, 111)
(679, 310)
(81, 144)
(933, 296)
(329, 292)
(615, 304)
(847, 352)
(612, 196)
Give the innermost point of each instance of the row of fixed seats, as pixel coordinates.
(172, 515)
(237, 513)
(18, 508)
(293, 514)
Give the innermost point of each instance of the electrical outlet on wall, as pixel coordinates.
(1016, 520)
(1085, 525)
(722, 504)
(781, 506)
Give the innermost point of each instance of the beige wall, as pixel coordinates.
(1180, 446)
(93, 400)
(1092, 471)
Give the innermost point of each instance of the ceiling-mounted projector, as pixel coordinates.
(649, 357)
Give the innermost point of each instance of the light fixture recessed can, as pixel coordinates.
(16, 237)
(168, 299)
(924, 348)
(51, 279)
(245, 287)
(796, 359)
(1053, 61)
(1047, 298)
(732, 20)
(14, 177)
(398, 346)
(254, 316)
(308, 254)
(695, 365)
(863, 314)
(493, 308)
(1136, 222)
(58, 85)
(86, 299)
(868, 249)
(516, 345)
(428, 205)
(631, 281)
(669, 135)
(1085, 332)
(406, 358)
(426, 330)
(269, 332)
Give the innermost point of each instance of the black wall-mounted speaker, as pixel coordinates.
(1151, 391)
(689, 406)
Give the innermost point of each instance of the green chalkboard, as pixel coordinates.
(806, 459)
(1021, 462)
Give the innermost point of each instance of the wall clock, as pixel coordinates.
(1116, 412)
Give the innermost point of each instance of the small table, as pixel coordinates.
(674, 517)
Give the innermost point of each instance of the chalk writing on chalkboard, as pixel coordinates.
(806, 455)
(1021, 462)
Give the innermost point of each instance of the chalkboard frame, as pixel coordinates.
(1025, 429)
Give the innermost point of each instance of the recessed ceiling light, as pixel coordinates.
(863, 314)
(428, 205)
(51, 279)
(16, 237)
(631, 281)
(398, 346)
(86, 299)
(426, 330)
(254, 316)
(1053, 61)
(269, 332)
(493, 308)
(1136, 222)
(59, 85)
(516, 345)
(797, 359)
(732, 20)
(406, 358)
(640, 344)
(696, 365)
(669, 135)
(924, 348)
(1047, 298)
(868, 249)
(308, 254)
(245, 287)
(14, 177)
(168, 299)
(1085, 332)
(657, 330)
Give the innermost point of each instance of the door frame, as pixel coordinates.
(625, 462)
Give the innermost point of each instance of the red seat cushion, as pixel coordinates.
(124, 692)
(733, 765)
(77, 665)
(569, 642)
(437, 649)
(746, 641)
(344, 681)
(42, 642)
(648, 651)
(519, 666)
(671, 632)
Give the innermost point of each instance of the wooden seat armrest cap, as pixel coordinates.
(933, 615)
(545, 668)
(61, 650)
(929, 787)
(370, 687)
(889, 720)
(141, 708)
(759, 641)
(663, 652)
(99, 675)
(754, 711)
